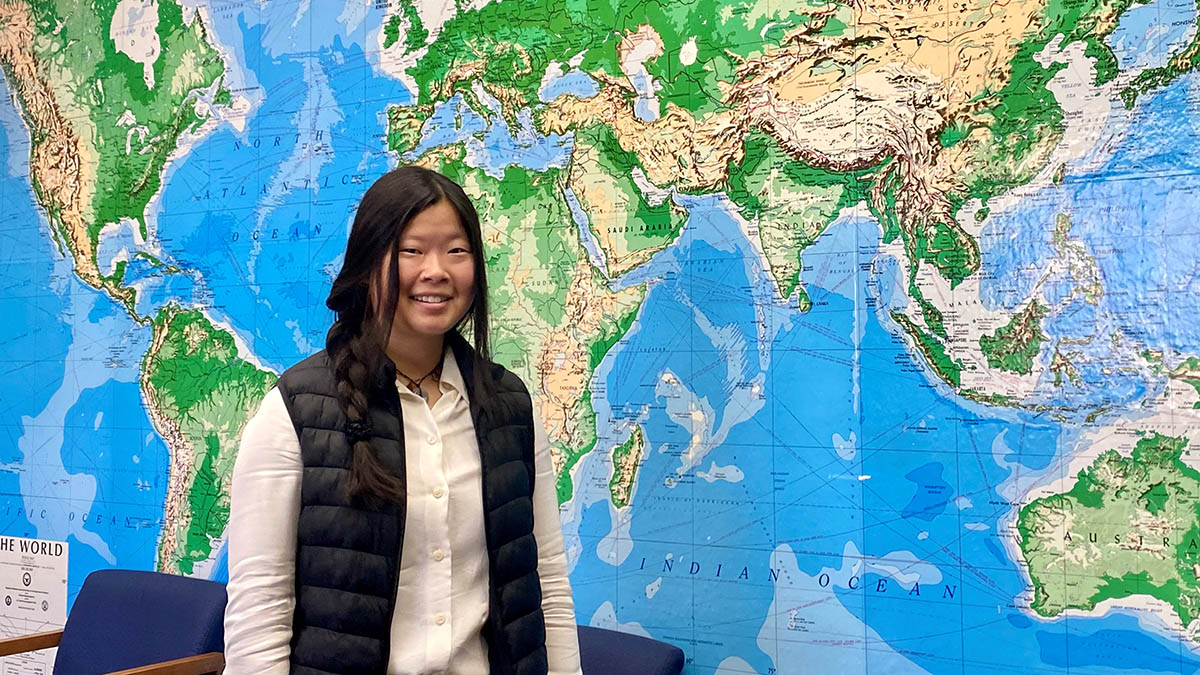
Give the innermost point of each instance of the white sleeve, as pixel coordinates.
(263, 514)
(562, 637)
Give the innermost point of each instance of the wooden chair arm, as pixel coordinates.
(204, 664)
(29, 643)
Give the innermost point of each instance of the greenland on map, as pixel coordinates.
(865, 332)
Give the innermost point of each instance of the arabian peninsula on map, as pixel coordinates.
(865, 333)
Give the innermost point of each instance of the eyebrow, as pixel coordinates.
(454, 237)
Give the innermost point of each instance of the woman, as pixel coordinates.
(393, 503)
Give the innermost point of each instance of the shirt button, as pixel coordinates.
(432, 439)
(440, 619)
(438, 492)
(438, 555)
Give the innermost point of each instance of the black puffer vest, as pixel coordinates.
(348, 550)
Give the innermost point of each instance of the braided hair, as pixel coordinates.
(364, 297)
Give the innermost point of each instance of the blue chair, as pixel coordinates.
(609, 652)
(137, 623)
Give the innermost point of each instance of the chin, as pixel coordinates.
(435, 330)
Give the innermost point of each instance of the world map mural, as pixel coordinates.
(865, 332)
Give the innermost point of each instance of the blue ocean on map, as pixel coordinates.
(852, 555)
(813, 498)
(1148, 34)
(1146, 255)
(901, 538)
(266, 235)
(82, 461)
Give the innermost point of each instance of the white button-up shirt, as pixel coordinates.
(442, 599)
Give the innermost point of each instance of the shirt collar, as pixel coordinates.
(451, 380)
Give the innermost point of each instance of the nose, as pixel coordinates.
(434, 268)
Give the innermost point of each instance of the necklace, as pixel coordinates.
(414, 385)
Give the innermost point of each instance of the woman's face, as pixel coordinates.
(436, 271)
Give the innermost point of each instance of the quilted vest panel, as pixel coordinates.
(348, 550)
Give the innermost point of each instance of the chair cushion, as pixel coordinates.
(608, 652)
(125, 619)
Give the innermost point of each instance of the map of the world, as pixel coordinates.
(866, 332)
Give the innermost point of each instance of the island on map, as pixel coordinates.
(1015, 346)
(1130, 526)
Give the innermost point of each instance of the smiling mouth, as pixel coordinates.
(430, 299)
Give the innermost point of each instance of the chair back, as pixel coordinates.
(608, 652)
(124, 619)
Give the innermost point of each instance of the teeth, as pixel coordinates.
(429, 298)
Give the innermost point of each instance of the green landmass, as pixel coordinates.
(1014, 346)
(952, 134)
(931, 239)
(990, 399)
(947, 368)
(793, 202)
(416, 36)
(628, 227)
(110, 86)
(195, 383)
(1024, 118)
(611, 335)
(1130, 526)
(620, 486)
(415, 33)
(391, 30)
(514, 43)
(613, 332)
(1181, 63)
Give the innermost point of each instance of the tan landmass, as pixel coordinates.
(562, 361)
(644, 38)
(967, 48)
(57, 162)
(637, 47)
(404, 126)
(886, 89)
(675, 149)
(610, 208)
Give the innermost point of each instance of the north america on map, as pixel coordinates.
(864, 333)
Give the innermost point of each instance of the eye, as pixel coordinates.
(459, 249)
(409, 251)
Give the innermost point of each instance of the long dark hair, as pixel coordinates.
(357, 340)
